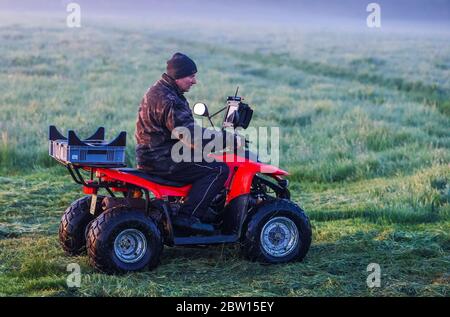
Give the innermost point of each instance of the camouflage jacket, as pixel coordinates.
(162, 108)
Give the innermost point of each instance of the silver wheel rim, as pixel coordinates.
(279, 237)
(130, 245)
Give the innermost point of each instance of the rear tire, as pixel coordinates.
(74, 222)
(278, 232)
(122, 240)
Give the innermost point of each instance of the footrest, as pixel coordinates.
(205, 240)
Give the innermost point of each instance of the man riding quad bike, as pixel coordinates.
(249, 204)
(165, 119)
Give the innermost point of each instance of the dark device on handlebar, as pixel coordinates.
(238, 114)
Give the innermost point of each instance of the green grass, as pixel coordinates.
(393, 223)
(365, 134)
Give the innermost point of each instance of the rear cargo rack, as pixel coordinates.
(91, 152)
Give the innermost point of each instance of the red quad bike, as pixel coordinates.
(126, 229)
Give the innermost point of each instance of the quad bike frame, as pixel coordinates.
(125, 234)
(132, 183)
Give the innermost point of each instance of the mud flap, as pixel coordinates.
(93, 204)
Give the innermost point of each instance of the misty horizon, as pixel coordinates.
(267, 12)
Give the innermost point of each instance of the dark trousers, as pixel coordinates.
(207, 181)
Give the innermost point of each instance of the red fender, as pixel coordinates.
(158, 190)
(242, 172)
(239, 181)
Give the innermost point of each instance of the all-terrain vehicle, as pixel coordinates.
(126, 228)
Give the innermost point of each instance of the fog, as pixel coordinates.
(351, 13)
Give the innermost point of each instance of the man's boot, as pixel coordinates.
(191, 222)
(211, 216)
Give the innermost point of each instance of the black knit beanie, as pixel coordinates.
(180, 66)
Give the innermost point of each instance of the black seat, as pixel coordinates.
(151, 177)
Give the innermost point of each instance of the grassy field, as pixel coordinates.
(364, 121)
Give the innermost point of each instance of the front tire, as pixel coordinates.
(278, 232)
(122, 240)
